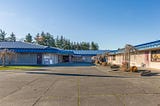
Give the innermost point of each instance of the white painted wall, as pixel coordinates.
(87, 58)
(137, 60)
(49, 59)
(119, 59)
(153, 64)
(24, 59)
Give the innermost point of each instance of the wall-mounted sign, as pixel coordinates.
(155, 56)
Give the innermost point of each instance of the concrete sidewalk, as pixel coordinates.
(108, 70)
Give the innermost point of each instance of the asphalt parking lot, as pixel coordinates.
(77, 86)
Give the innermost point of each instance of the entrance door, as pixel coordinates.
(147, 58)
(39, 59)
(66, 58)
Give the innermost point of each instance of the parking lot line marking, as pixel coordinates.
(78, 91)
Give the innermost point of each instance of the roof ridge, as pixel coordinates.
(147, 43)
(33, 44)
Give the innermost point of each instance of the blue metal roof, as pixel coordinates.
(154, 44)
(88, 52)
(113, 51)
(35, 50)
(65, 52)
(144, 46)
(22, 45)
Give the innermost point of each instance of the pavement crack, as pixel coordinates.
(37, 101)
(45, 92)
(78, 91)
(19, 88)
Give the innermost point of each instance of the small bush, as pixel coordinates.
(96, 62)
(104, 63)
(133, 69)
(115, 66)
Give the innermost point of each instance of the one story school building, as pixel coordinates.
(34, 54)
(148, 55)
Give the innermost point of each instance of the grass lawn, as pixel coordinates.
(18, 67)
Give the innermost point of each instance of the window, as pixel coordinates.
(155, 56)
(114, 57)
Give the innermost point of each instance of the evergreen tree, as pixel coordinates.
(49, 40)
(68, 44)
(42, 34)
(88, 46)
(61, 42)
(94, 46)
(72, 46)
(12, 37)
(75, 46)
(79, 47)
(2, 35)
(58, 42)
(28, 38)
(85, 46)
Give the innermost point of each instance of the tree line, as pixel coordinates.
(3, 37)
(48, 39)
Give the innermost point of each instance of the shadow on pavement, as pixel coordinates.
(72, 64)
(148, 73)
(152, 74)
(68, 74)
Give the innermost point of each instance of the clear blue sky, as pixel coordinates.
(110, 23)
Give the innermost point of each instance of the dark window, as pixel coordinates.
(155, 55)
(66, 58)
(39, 59)
(114, 57)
